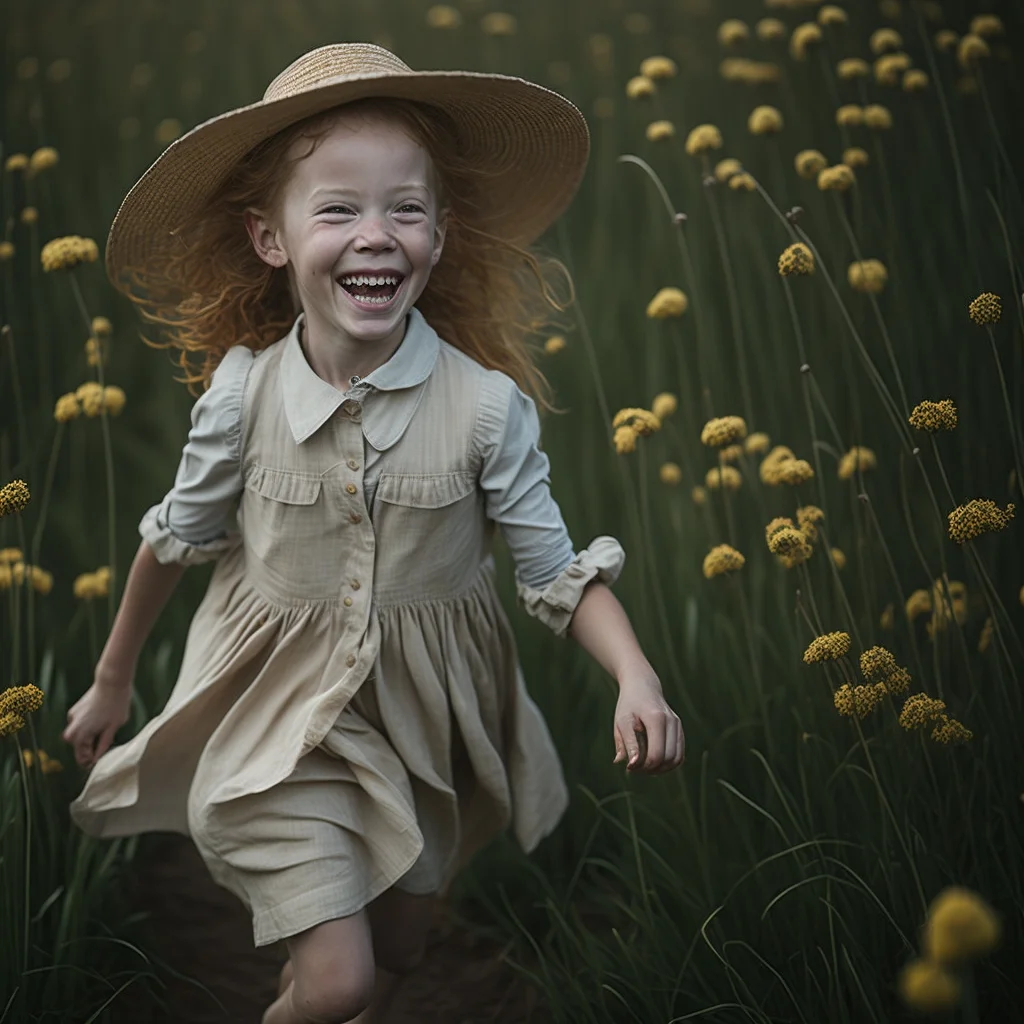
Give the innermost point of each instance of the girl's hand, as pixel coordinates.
(646, 728)
(99, 713)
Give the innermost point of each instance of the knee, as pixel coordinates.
(332, 999)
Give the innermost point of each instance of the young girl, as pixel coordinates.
(350, 723)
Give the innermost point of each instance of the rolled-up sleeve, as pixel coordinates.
(515, 477)
(196, 521)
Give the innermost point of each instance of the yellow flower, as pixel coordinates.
(750, 72)
(640, 86)
(113, 399)
(14, 497)
(933, 416)
(698, 495)
(554, 344)
(794, 472)
(898, 681)
(726, 168)
(21, 700)
(764, 120)
(877, 116)
(102, 327)
(857, 458)
(971, 49)
(93, 352)
(789, 543)
(807, 518)
(867, 276)
(858, 701)
(986, 635)
(987, 308)
(919, 709)
(48, 765)
(986, 25)
(796, 259)
(723, 430)
(960, 927)
(67, 408)
(167, 130)
(850, 116)
(827, 647)
(10, 724)
(67, 252)
(6, 250)
(926, 987)
(770, 30)
(981, 515)
(883, 39)
(918, 603)
(90, 585)
(838, 558)
(643, 421)
(889, 67)
(756, 443)
(915, 80)
(670, 473)
(703, 138)
(727, 477)
(886, 619)
(10, 555)
(950, 732)
(443, 16)
(803, 36)
(853, 67)
(43, 159)
(730, 453)
(660, 130)
(29, 215)
(658, 67)
(854, 156)
(809, 162)
(742, 182)
(16, 162)
(877, 664)
(771, 463)
(667, 302)
(625, 440)
(946, 39)
(722, 559)
(498, 23)
(733, 31)
(777, 524)
(831, 15)
(664, 404)
(90, 394)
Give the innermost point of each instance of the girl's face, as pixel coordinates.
(361, 209)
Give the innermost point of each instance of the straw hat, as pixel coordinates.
(532, 142)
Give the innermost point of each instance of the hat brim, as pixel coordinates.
(531, 142)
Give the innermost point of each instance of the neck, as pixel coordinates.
(341, 369)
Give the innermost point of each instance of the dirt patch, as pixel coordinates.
(204, 935)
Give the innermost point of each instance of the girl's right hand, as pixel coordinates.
(96, 717)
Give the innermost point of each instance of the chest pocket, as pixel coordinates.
(287, 523)
(424, 490)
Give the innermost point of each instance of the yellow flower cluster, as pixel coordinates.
(853, 67)
(664, 404)
(640, 86)
(630, 424)
(15, 703)
(934, 416)
(726, 168)
(838, 558)
(443, 16)
(828, 647)
(987, 308)
(856, 459)
(764, 120)
(858, 701)
(6, 250)
(770, 30)
(756, 443)
(658, 67)
(926, 987)
(14, 497)
(809, 162)
(855, 156)
(836, 179)
(919, 710)
(702, 139)
(43, 159)
(777, 524)
(723, 430)
(971, 49)
(725, 477)
(807, 518)
(981, 515)
(890, 67)
(944, 610)
(986, 25)
(742, 182)
(946, 39)
(554, 344)
(950, 732)
(668, 302)
(878, 665)
(670, 473)
(915, 80)
(770, 469)
(17, 572)
(498, 23)
(850, 116)
(47, 764)
(722, 559)
(877, 116)
(867, 276)
(92, 584)
(884, 39)
(730, 453)
(91, 399)
(749, 72)
(67, 252)
(657, 131)
(804, 36)
(830, 14)
(733, 31)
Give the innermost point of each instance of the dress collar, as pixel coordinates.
(389, 394)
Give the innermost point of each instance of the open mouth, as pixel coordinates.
(372, 293)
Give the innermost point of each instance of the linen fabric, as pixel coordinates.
(350, 712)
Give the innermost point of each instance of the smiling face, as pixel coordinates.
(362, 208)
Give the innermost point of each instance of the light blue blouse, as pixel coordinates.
(196, 520)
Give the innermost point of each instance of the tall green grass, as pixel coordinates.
(783, 873)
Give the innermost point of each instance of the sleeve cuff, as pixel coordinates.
(556, 603)
(168, 547)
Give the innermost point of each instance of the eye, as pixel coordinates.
(411, 206)
(328, 209)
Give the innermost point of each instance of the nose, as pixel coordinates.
(374, 233)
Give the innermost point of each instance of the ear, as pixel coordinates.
(440, 230)
(265, 238)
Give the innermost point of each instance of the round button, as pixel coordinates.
(350, 660)
(355, 517)
(352, 464)
(356, 584)
(351, 488)
(348, 602)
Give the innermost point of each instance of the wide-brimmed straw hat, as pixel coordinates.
(532, 143)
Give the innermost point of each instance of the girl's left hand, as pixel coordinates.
(642, 714)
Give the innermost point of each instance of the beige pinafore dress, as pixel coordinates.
(350, 713)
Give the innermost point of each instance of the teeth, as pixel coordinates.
(363, 279)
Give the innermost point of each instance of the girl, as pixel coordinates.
(350, 723)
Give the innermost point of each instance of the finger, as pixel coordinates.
(656, 723)
(105, 740)
(620, 746)
(668, 759)
(631, 741)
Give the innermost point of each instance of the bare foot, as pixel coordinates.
(286, 978)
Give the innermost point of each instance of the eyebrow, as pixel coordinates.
(342, 190)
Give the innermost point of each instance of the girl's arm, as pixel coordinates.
(149, 586)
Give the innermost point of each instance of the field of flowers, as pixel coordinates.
(792, 386)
